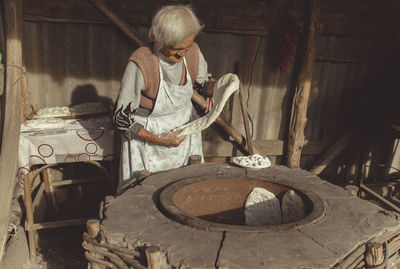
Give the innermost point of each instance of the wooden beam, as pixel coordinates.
(122, 24)
(54, 224)
(12, 112)
(331, 153)
(266, 147)
(298, 118)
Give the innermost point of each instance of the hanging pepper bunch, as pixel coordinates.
(287, 32)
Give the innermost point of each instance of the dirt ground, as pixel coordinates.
(57, 248)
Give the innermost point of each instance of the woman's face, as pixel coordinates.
(175, 53)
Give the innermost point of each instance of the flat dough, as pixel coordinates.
(45, 123)
(76, 110)
(223, 89)
(262, 208)
(51, 112)
(293, 207)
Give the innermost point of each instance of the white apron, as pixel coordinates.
(173, 108)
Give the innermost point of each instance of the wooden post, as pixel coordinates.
(194, 159)
(153, 255)
(248, 58)
(48, 189)
(197, 98)
(374, 254)
(298, 119)
(93, 228)
(12, 112)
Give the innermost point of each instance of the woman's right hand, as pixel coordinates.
(172, 139)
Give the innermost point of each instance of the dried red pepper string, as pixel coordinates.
(287, 32)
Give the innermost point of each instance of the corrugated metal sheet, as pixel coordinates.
(73, 63)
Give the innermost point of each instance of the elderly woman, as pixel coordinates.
(155, 95)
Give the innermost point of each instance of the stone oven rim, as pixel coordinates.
(168, 208)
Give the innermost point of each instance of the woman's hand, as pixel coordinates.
(210, 104)
(172, 139)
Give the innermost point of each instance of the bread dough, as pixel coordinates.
(45, 123)
(76, 110)
(51, 112)
(252, 161)
(293, 207)
(223, 89)
(262, 208)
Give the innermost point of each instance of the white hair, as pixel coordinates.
(172, 24)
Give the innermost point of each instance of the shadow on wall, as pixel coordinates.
(87, 93)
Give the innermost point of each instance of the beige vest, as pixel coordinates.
(148, 64)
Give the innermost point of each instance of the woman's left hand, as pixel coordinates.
(210, 104)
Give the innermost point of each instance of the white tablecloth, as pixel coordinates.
(77, 140)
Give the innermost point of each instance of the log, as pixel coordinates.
(153, 255)
(374, 254)
(331, 153)
(12, 112)
(197, 98)
(298, 119)
(92, 227)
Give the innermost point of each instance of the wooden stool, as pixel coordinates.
(47, 186)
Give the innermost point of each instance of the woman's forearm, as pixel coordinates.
(169, 139)
(149, 137)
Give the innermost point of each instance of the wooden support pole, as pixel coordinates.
(298, 119)
(248, 58)
(93, 228)
(197, 98)
(13, 20)
(331, 153)
(153, 255)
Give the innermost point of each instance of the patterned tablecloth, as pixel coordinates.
(74, 141)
